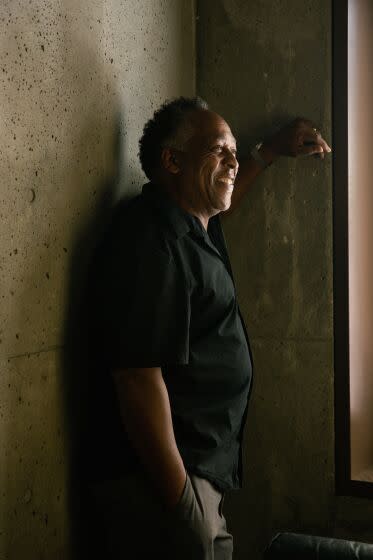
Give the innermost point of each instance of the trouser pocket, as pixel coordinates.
(221, 503)
(185, 504)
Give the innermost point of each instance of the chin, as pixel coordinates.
(225, 205)
(221, 204)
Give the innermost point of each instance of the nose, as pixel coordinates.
(230, 159)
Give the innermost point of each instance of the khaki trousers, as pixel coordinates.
(139, 527)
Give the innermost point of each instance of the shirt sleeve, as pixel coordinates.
(148, 313)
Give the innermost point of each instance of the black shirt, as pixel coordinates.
(165, 297)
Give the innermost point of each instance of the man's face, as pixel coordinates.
(209, 164)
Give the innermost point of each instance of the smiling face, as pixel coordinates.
(207, 166)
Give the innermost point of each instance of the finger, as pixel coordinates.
(310, 135)
(324, 145)
(310, 140)
(316, 135)
(321, 142)
(309, 150)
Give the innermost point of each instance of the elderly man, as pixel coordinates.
(177, 363)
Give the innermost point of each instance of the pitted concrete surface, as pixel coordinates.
(260, 64)
(78, 80)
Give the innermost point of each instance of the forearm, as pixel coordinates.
(298, 138)
(248, 171)
(146, 413)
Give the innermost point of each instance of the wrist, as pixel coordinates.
(268, 152)
(264, 154)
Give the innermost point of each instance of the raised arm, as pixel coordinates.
(299, 138)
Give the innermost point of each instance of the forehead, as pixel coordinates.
(209, 126)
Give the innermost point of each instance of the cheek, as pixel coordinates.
(209, 168)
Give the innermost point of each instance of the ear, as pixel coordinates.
(169, 161)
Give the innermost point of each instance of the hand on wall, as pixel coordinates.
(298, 138)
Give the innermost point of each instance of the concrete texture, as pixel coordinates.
(260, 64)
(78, 82)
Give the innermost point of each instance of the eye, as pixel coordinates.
(218, 149)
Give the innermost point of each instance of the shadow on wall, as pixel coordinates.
(79, 362)
(60, 180)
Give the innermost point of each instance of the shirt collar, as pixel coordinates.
(181, 221)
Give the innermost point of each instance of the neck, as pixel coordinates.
(177, 196)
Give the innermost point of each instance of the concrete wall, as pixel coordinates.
(259, 64)
(78, 82)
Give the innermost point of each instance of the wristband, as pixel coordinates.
(258, 158)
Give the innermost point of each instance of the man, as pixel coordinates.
(175, 370)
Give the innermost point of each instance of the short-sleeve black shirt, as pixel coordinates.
(165, 297)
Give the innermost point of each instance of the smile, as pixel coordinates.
(227, 181)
